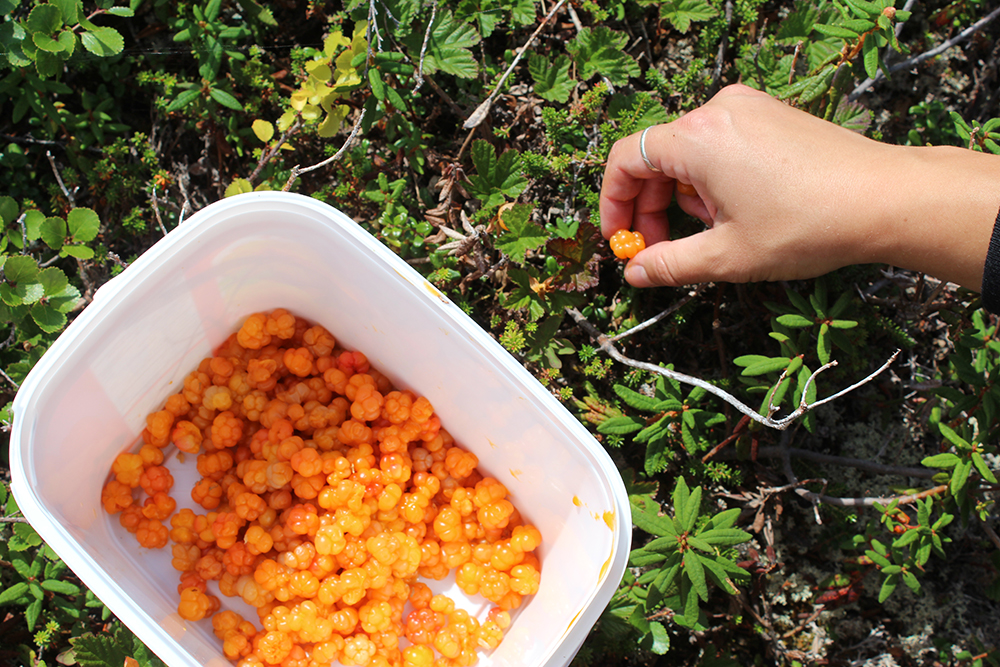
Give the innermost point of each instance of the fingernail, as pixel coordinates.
(636, 275)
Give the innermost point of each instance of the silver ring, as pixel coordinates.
(642, 149)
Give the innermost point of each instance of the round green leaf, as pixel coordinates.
(53, 280)
(78, 251)
(102, 41)
(46, 43)
(20, 268)
(68, 41)
(70, 10)
(263, 129)
(83, 224)
(238, 187)
(53, 232)
(44, 18)
(33, 220)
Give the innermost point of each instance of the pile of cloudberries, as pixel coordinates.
(327, 495)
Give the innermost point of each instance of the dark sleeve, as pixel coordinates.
(991, 272)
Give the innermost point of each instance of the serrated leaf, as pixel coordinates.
(53, 280)
(239, 186)
(447, 47)
(47, 318)
(83, 224)
(53, 232)
(103, 41)
(661, 640)
(20, 269)
(600, 51)
(522, 234)
(99, 651)
(682, 13)
(45, 19)
(552, 80)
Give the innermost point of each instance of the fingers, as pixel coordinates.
(632, 194)
(703, 257)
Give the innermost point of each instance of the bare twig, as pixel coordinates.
(653, 320)
(423, 49)
(721, 54)
(156, 211)
(13, 519)
(483, 109)
(296, 170)
(269, 155)
(916, 60)
(845, 461)
(869, 502)
(608, 346)
(55, 170)
(9, 379)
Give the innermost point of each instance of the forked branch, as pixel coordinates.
(607, 344)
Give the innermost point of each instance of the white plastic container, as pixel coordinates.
(87, 398)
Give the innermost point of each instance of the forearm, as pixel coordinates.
(940, 207)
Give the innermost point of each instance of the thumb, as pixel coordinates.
(702, 257)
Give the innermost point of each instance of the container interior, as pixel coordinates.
(87, 400)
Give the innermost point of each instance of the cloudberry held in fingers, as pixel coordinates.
(626, 244)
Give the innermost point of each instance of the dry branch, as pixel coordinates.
(607, 344)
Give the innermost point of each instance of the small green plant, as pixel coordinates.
(690, 551)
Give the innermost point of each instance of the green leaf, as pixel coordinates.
(601, 51)
(638, 401)
(103, 41)
(946, 460)
(60, 586)
(795, 321)
(952, 437)
(682, 13)
(225, 99)
(495, 177)
(13, 593)
(46, 43)
(378, 87)
(836, 31)
(661, 640)
(53, 232)
(824, 346)
(447, 47)
(522, 234)
(959, 476)
(888, 586)
(552, 80)
(870, 53)
(645, 516)
(911, 581)
(20, 269)
(99, 650)
(184, 99)
(83, 224)
(53, 280)
(906, 538)
(44, 19)
(47, 318)
(643, 558)
(724, 537)
(696, 573)
(124, 12)
(32, 612)
(239, 186)
(78, 251)
(767, 366)
(8, 210)
(620, 426)
(984, 470)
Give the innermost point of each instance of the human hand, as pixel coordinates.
(786, 195)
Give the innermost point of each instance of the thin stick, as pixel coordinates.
(69, 195)
(653, 320)
(479, 114)
(423, 50)
(779, 424)
(156, 211)
(870, 502)
(916, 60)
(269, 155)
(296, 170)
(9, 379)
